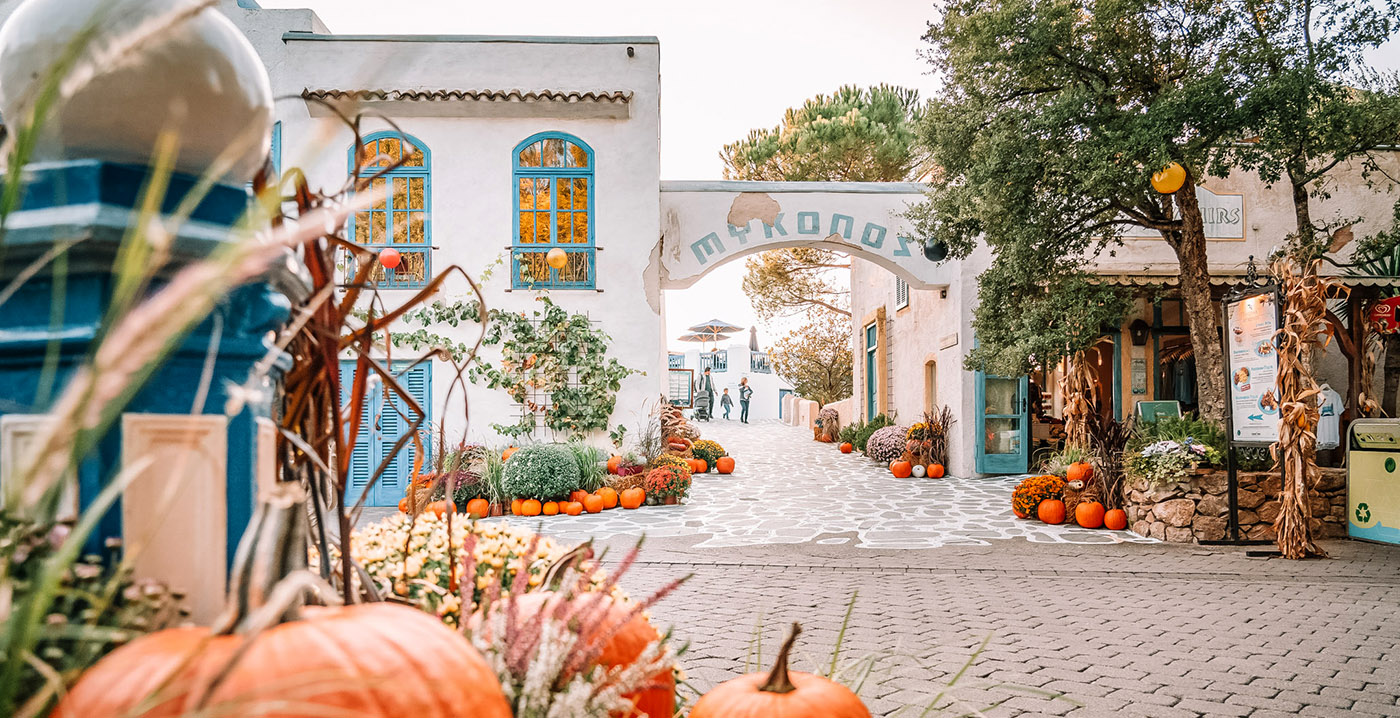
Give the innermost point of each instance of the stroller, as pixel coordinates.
(702, 406)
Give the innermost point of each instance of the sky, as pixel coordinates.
(727, 66)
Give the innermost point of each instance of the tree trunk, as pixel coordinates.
(1201, 316)
(1391, 373)
(1303, 217)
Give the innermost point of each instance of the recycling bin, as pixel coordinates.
(1373, 480)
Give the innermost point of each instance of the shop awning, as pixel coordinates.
(1229, 278)
(428, 102)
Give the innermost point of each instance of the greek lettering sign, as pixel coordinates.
(1251, 360)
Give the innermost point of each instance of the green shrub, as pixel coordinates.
(592, 465)
(547, 472)
(862, 436)
(1170, 428)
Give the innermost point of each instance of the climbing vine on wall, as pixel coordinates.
(555, 365)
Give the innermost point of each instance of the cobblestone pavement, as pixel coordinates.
(1118, 626)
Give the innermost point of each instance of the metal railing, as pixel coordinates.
(716, 361)
(759, 363)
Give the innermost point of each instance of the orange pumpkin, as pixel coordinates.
(1079, 471)
(198, 670)
(846, 448)
(1116, 520)
(1089, 514)
(550, 508)
(1051, 511)
(593, 504)
(403, 505)
(780, 693)
(699, 466)
(1017, 514)
(515, 506)
(624, 637)
(935, 471)
(505, 455)
(573, 508)
(531, 507)
(614, 462)
(901, 469)
(478, 508)
(633, 498)
(578, 495)
(609, 496)
(725, 464)
(442, 508)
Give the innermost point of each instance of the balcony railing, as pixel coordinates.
(759, 363)
(717, 361)
(675, 361)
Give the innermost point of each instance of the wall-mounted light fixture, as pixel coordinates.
(1138, 331)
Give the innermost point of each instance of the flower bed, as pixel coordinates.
(1198, 508)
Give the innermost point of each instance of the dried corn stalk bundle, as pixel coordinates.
(1304, 330)
(1372, 347)
(1079, 386)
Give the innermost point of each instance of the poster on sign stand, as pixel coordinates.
(1251, 319)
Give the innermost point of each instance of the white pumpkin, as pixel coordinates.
(919, 471)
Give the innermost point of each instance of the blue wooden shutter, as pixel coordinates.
(363, 458)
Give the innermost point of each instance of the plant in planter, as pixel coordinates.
(828, 426)
(592, 468)
(707, 451)
(670, 460)
(886, 444)
(541, 471)
(1168, 461)
(1028, 495)
(668, 483)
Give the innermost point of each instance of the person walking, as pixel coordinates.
(707, 387)
(745, 395)
(726, 403)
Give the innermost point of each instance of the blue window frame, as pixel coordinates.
(552, 180)
(277, 150)
(403, 219)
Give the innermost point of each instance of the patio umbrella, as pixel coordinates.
(753, 339)
(715, 326)
(702, 338)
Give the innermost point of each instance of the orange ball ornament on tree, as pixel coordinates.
(390, 258)
(556, 258)
(1169, 179)
(780, 693)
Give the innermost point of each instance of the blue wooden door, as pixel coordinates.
(1003, 423)
(383, 423)
(871, 377)
(782, 394)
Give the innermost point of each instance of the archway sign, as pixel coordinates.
(707, 224)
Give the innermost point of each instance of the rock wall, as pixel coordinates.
(1199, 509)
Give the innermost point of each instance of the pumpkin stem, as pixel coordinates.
(272, 548)
(778, 679)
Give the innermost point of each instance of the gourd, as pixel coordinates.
(725, 464)
(1051, 511)
(531, 507)
(1079, 471)
(1089, 514)
(1115, 520)
(609, 496)
(780, 693)
(478, 508)
(593, 503)
(267, 654)
(573, 508)
(846, 448)
(633, 498)
(550, 508)
(935, 471)
(901, 469)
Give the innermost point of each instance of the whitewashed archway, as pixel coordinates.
(708, 224)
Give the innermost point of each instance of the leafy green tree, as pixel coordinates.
(1313, 103)
(816, 359)
(1052, 119)
(853, 135)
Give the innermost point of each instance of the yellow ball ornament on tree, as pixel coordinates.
(556, 258)
(1169, 179)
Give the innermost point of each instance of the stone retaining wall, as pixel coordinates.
(1199, 509)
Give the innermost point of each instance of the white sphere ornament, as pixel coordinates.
(919, 471)
(150, 66)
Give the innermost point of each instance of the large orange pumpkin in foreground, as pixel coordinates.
(725, 464)
(1089, 514)
(633, 498)
(629, 638)
(1051, 511)
(901, 469)
(593, 503)
(780, 693)
(348, 660)
(609, 496)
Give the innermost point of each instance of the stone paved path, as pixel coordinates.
(1119, 626)
(789, 490)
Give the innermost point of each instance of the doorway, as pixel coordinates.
(1002, 445)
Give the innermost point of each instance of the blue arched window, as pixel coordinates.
(401, 220)
(554, 191)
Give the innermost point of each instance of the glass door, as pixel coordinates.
(1003, 419)
(871, 378)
